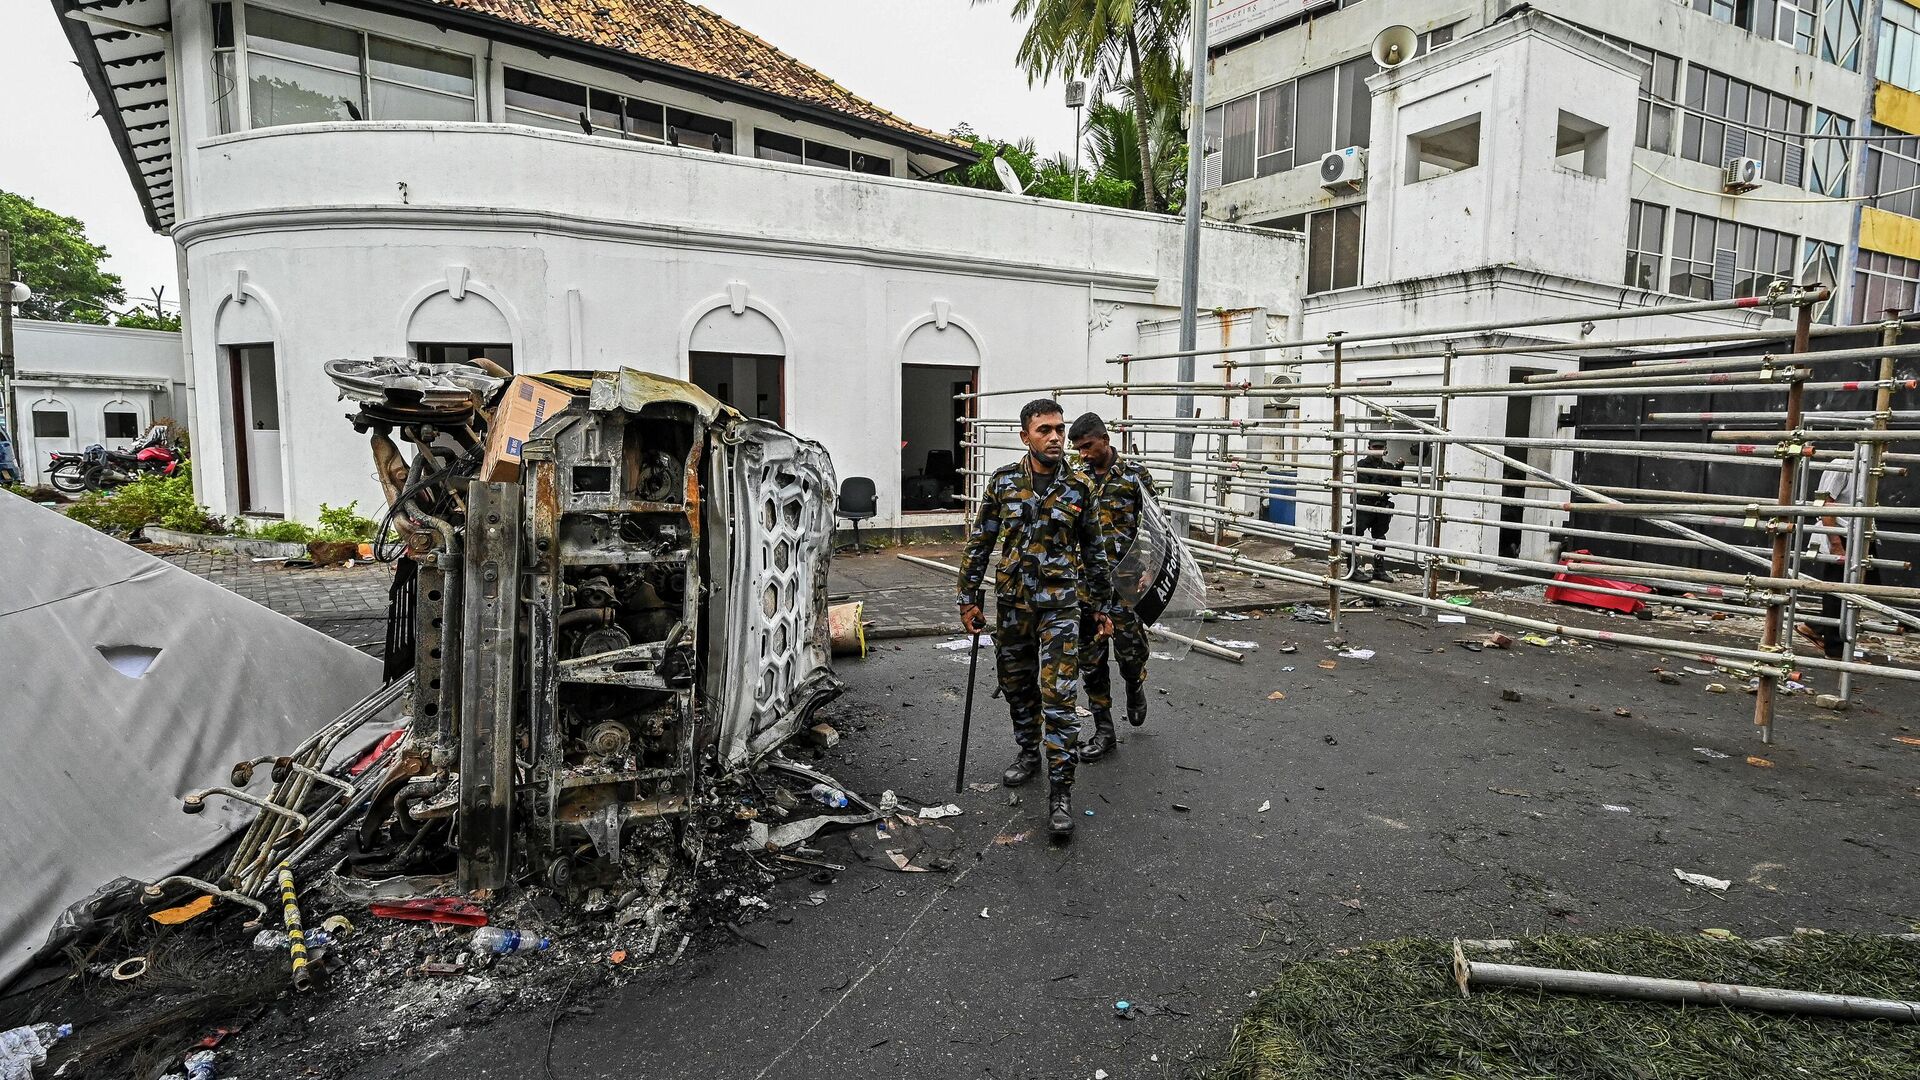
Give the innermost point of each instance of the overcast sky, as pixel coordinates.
(934, 62)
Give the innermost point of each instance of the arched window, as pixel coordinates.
(443, 330)
(121, 423)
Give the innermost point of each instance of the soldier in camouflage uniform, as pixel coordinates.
(1041, 514)
(1119, 487)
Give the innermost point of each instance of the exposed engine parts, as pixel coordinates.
(600, 644)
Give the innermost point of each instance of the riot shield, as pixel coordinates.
(1159, 580)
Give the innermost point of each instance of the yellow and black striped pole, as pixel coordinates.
(296, 941)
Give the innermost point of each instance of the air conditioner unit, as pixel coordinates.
(1743, 174)
(1345, 169)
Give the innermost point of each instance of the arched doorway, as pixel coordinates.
(938, 360)
(739, 355)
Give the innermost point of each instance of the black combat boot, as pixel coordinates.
(1102, 742)
(1060, 821)
(1381, 573)
(1136, 704)
(1022, 769)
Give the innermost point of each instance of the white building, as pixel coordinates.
(80, 384)
(401, 177)
(1496, 180)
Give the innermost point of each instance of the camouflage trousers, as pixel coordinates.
(1038, 657)
(1129, 644)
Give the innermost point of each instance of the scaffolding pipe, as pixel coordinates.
(1785, 299)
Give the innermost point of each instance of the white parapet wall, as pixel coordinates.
(352, 240)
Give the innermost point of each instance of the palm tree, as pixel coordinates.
(1123, 44)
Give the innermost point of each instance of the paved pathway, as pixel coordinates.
(348, 603)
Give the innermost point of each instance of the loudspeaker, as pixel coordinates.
(1395, 46)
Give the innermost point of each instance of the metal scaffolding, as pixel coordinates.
(1306, 458)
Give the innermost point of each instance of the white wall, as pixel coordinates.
(1518, 206)
(597, 254)
(85, 369)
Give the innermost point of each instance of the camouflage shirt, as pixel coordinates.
(1119, 494)
(1050, 541)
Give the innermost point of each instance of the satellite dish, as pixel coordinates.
(1008, 178)
(1395, 46)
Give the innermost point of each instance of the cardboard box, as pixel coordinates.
(527, 402)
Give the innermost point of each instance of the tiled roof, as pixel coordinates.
(686, 35)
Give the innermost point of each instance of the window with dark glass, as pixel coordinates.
(776, 146)
(1646, 242)
(1893, 171)
(119, 424)
(543, 101)
(698, 132)
(1829, 158)
(1289, 125)
(1743, 121)
(1881, 283)
(1718, 260)
(1333, 245)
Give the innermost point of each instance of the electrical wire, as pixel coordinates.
(1822, 200)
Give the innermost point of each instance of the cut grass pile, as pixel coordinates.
(1392, 1010)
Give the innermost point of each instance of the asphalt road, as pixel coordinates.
(1406, 797)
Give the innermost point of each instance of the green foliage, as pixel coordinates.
(285, 532)
(166, 501)
(1042, 178)
(341, 524)
(338, 524)
(52, 254)
(1131, 45)
(147, 319)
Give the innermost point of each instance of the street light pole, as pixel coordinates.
(1190, 264)
(7, 409)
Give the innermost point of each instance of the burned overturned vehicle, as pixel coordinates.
(611, 591)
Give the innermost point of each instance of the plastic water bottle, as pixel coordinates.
(276, 940)
(24, 1047)
(500, 940)
(199, 1065)
(828, 796)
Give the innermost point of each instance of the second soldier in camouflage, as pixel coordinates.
(1041, 515)
(1120, 486)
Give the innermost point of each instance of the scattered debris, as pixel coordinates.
(192, 909)
(1289, 647)
(823, 736)
(1329, 665)
(1229, 643)
(448, 910)
(1540, 640)
(1909, 740)
(1622, 710)
(1182, 807)
(1517, 793)
(1005, 839)
(1276, 696)
(1450, 618)
(1709, 752)
(984, 915)
(1832, 702)
(982, 788)
(1509, 695)
(1265, 806)
(1666, 676)
(1716, 688)
(1702, 880)
(931, 812)
(1356, 904)
(1357, 654)
(1718, 934)
(1616, 808)
(1759, 762)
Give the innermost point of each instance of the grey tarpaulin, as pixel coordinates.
(125, 682)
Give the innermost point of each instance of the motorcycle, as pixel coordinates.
(99, 469)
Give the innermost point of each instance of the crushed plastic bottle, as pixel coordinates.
(199, 1065)
(276, 940)
(828, 796)
(24, 1047)
(500, 940)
